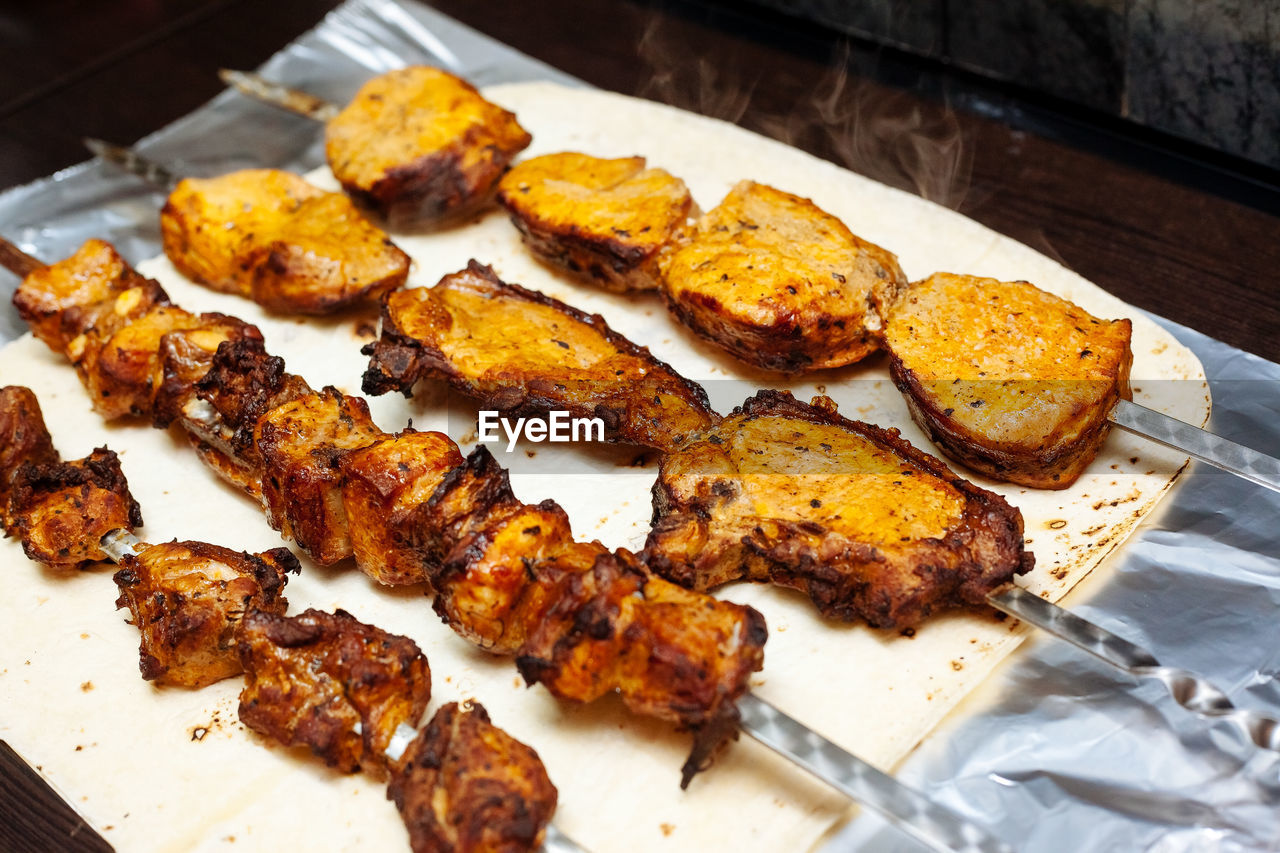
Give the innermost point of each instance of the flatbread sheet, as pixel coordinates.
(172, 769)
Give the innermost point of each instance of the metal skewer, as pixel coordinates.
(1188, 689)
(133, 163)
(1179, 435)
(276, 95)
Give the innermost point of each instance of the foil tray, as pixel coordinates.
(1054, 752)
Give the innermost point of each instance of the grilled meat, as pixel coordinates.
(60, 510)
(185, 357)
(302, 444)
(466, 786)
(524, 353)
(605, 221)
(287, 245)
(188, 598)
(384, 485)
(120, 372)
(331, 683)
(419, 144)
(1006, 379)
(584, 621)
(866, 525)
(779, 283)
(23, 439)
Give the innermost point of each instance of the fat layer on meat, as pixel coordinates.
(525, 353)
(419, 144)
(466, 786)
(779, 283)
(604, 221)
(1006, 379)
(851, 514)
(187, 600)
(276, 239)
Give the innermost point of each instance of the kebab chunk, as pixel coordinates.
(605, 221)
(466, 786)
(331, 683)
(582, 620)
(187, 600)
(287, 245)
(521, 352)
(419, 144)
(60, 510)
(185, 356)
(385, 484)
(23, 439)
(1008, 380)
(302, 444)
(779, 283)
(852, 515)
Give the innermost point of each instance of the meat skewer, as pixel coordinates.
(561, 606)
(269, 236)
(418, 145)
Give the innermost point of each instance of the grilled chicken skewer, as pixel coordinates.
(699, 651)
(269, 236)
(418, 145)
(349, 691)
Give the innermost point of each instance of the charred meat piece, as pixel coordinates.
(185, 356)
(582, 620)
(605, 221)
(525, 353)
(466, 786)
(23, 439)
(60, 510)
(287, 245)
(62, 301)
(331, 683)
(1008, 380)
(384, 486)
(188, 598)
(419, 144)
(779, 283)
(302, 444)
(851, 514)
(120, 371)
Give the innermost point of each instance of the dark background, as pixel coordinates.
(1186, 231)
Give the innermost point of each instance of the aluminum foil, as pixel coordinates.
(1054, 752)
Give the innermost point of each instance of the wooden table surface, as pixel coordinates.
(1165, 226)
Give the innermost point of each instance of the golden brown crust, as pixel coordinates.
(418, 144)
(851, 514)
(185, 356)
(331, 683)
(187, 600)
(23, 439)
(466, 786)
(781, 284)
(1006, 379)
(276, 239)
(302, 444)
(604, 221)
(521, 352)
(60, 510)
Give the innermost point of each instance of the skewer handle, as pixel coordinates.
(1188, 689)
(913, 812)
(279, 96)
(1203, 445)
(17, 261)
(133, 163)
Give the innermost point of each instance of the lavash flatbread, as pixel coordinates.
(156, 769)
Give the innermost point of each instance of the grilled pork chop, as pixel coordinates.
(604, 221)
(522, 352)
(418, 144)
(854, 516)
(1006, 379)
(287, 245)
(466, 786)
(780, 283)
